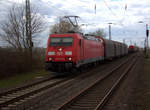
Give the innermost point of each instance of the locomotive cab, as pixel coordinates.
(60, 53)
(61, 48)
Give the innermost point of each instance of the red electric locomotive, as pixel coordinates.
(132, 49)
(72, 50)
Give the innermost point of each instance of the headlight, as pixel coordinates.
(70, 59)
(50, 59)
(68, 53)
(51, 53)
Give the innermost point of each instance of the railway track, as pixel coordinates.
(23, 87)
(14, 99)
(11, 98)
(16, 96)
(95, 96)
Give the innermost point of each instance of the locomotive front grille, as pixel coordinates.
(60, 59)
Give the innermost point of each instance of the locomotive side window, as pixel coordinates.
(61, 41)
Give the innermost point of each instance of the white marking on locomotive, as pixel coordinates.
(59, 53)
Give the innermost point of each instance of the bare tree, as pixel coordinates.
(64, 26)
(14, 27)
(99, 32)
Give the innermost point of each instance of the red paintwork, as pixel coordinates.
(131, 46)
(92, 49)
(131, 49)
(89, 49)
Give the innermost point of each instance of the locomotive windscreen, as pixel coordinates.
(61, 41)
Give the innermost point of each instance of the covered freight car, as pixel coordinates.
(109, 49)
(117, 49)
(113, 49)
(125, 49)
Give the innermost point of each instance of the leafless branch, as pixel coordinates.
(14, 27)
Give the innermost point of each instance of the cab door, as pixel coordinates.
(81, 45)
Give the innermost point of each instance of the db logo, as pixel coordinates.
(59, 53)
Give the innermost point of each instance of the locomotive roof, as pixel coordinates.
(90, 37)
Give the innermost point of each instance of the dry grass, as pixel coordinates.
(20, 79)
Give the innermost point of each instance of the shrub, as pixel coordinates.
(13, 62)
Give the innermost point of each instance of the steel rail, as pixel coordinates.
(64, 105)
(107, 96)
(23, 87)
(27, 92)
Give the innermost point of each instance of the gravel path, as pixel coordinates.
(134, 93)
(142, 90)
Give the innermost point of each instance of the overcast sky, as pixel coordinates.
(124, 14)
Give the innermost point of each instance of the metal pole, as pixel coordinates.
(146, 51)
(28, 27)
(109, 32)
(124, 41)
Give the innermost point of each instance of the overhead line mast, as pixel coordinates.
(28, 27)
